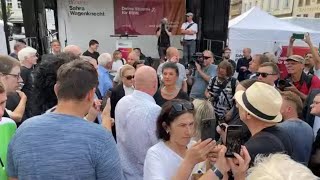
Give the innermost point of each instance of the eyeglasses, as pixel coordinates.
(179, 107)
(264, 75)
(17, 76)
(129, 77)
(206, 57)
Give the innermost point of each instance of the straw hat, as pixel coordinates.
(261, 101)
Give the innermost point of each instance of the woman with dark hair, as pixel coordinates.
(45, 76)
(169, 90)
(175, 128)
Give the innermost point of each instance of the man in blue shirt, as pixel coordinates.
(62, 144)
(200, 79)
(104, 65)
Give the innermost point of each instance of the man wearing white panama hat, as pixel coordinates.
(259, 108)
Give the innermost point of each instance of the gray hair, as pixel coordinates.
(25, 53)
(104, 59)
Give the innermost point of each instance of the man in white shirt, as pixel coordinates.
(189, 30)
(136, 116)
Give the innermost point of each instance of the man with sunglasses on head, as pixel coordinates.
(200, 78)
(268, 73)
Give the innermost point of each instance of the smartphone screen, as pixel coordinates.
(298, 36)
(208, 128)
(105, 99)
(233, 140)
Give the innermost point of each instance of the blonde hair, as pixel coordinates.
(203, 110)
(279, 167)
(126, 68)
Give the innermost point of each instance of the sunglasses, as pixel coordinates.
(264, 75)
(179, 107)
(129, 77)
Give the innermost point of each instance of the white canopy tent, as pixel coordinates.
(261, 32)
(3, 46)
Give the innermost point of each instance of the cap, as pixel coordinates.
(189, 14)
(296, 58)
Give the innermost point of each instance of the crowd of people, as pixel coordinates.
(85, 115)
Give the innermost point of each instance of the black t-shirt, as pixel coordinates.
(164, 39)
(160, 100)
(94, 55)
(243, 62)
(26, 75)
(269, 140)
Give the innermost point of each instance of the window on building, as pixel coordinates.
(277, 4)
(19, 4)
(9, 3)
(298, 15)
(317, 15)
(307, 2)
(318, 1)
(305, 15)
(262, 4)
(269, 5)
(256, 3)
(300, 3)
(250, 5)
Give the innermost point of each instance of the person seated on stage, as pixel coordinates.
(92, 50)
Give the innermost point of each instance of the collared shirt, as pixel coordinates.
(128, 90)
(136, 117)
(194, 27)
(105, 83)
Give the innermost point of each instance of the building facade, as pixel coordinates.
(235, 8)
(278, 8)
(307, 8)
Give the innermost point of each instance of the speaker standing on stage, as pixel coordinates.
(189, 30)
(163, 33)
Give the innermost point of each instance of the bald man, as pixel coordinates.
(135, 117)
(73, 49)
(243, 64)
(173, 55)
(132, 58)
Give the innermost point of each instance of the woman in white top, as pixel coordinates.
(175, 128)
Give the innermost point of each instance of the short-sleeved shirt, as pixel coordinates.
(7, 130)
(94, 55)
(182, 74)
(302, 135)
(58, 146)
(194, 27)
(199, 84)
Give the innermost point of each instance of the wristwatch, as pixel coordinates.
(217, 172)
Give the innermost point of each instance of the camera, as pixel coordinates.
(197, 57)
(283, 83)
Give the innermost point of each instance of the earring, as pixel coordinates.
(167, 131)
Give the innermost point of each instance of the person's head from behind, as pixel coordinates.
(256, 61)
(172, 55)
(224, 70)
(315, 106)
(246, 52)
(18, 46)
(28, 56)
(170, 74)
(203, 110)
(3, 99)
(259, 105)
(226, 53)
(76, 83)
(137, 64)
(55, 46)
(93, 45)
(268, 73)
(146, 80)
(92, 61)
(291, 105)
(75, 50)
(10, 73)
(279, 167)
(176, 122)
(117, 55)
(137, 51)
(127, 75)
(105, 60)
(271, 57)
(295, 64)
(245, 84)
(132, 58)
(208, 58)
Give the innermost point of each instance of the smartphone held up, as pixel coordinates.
(233, 140)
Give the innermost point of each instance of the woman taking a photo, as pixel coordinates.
(175, 128)
(169, 90)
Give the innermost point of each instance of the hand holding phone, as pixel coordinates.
(297, 36)
(233, 140)
(208, 128)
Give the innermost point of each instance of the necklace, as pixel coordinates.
(165, 91)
